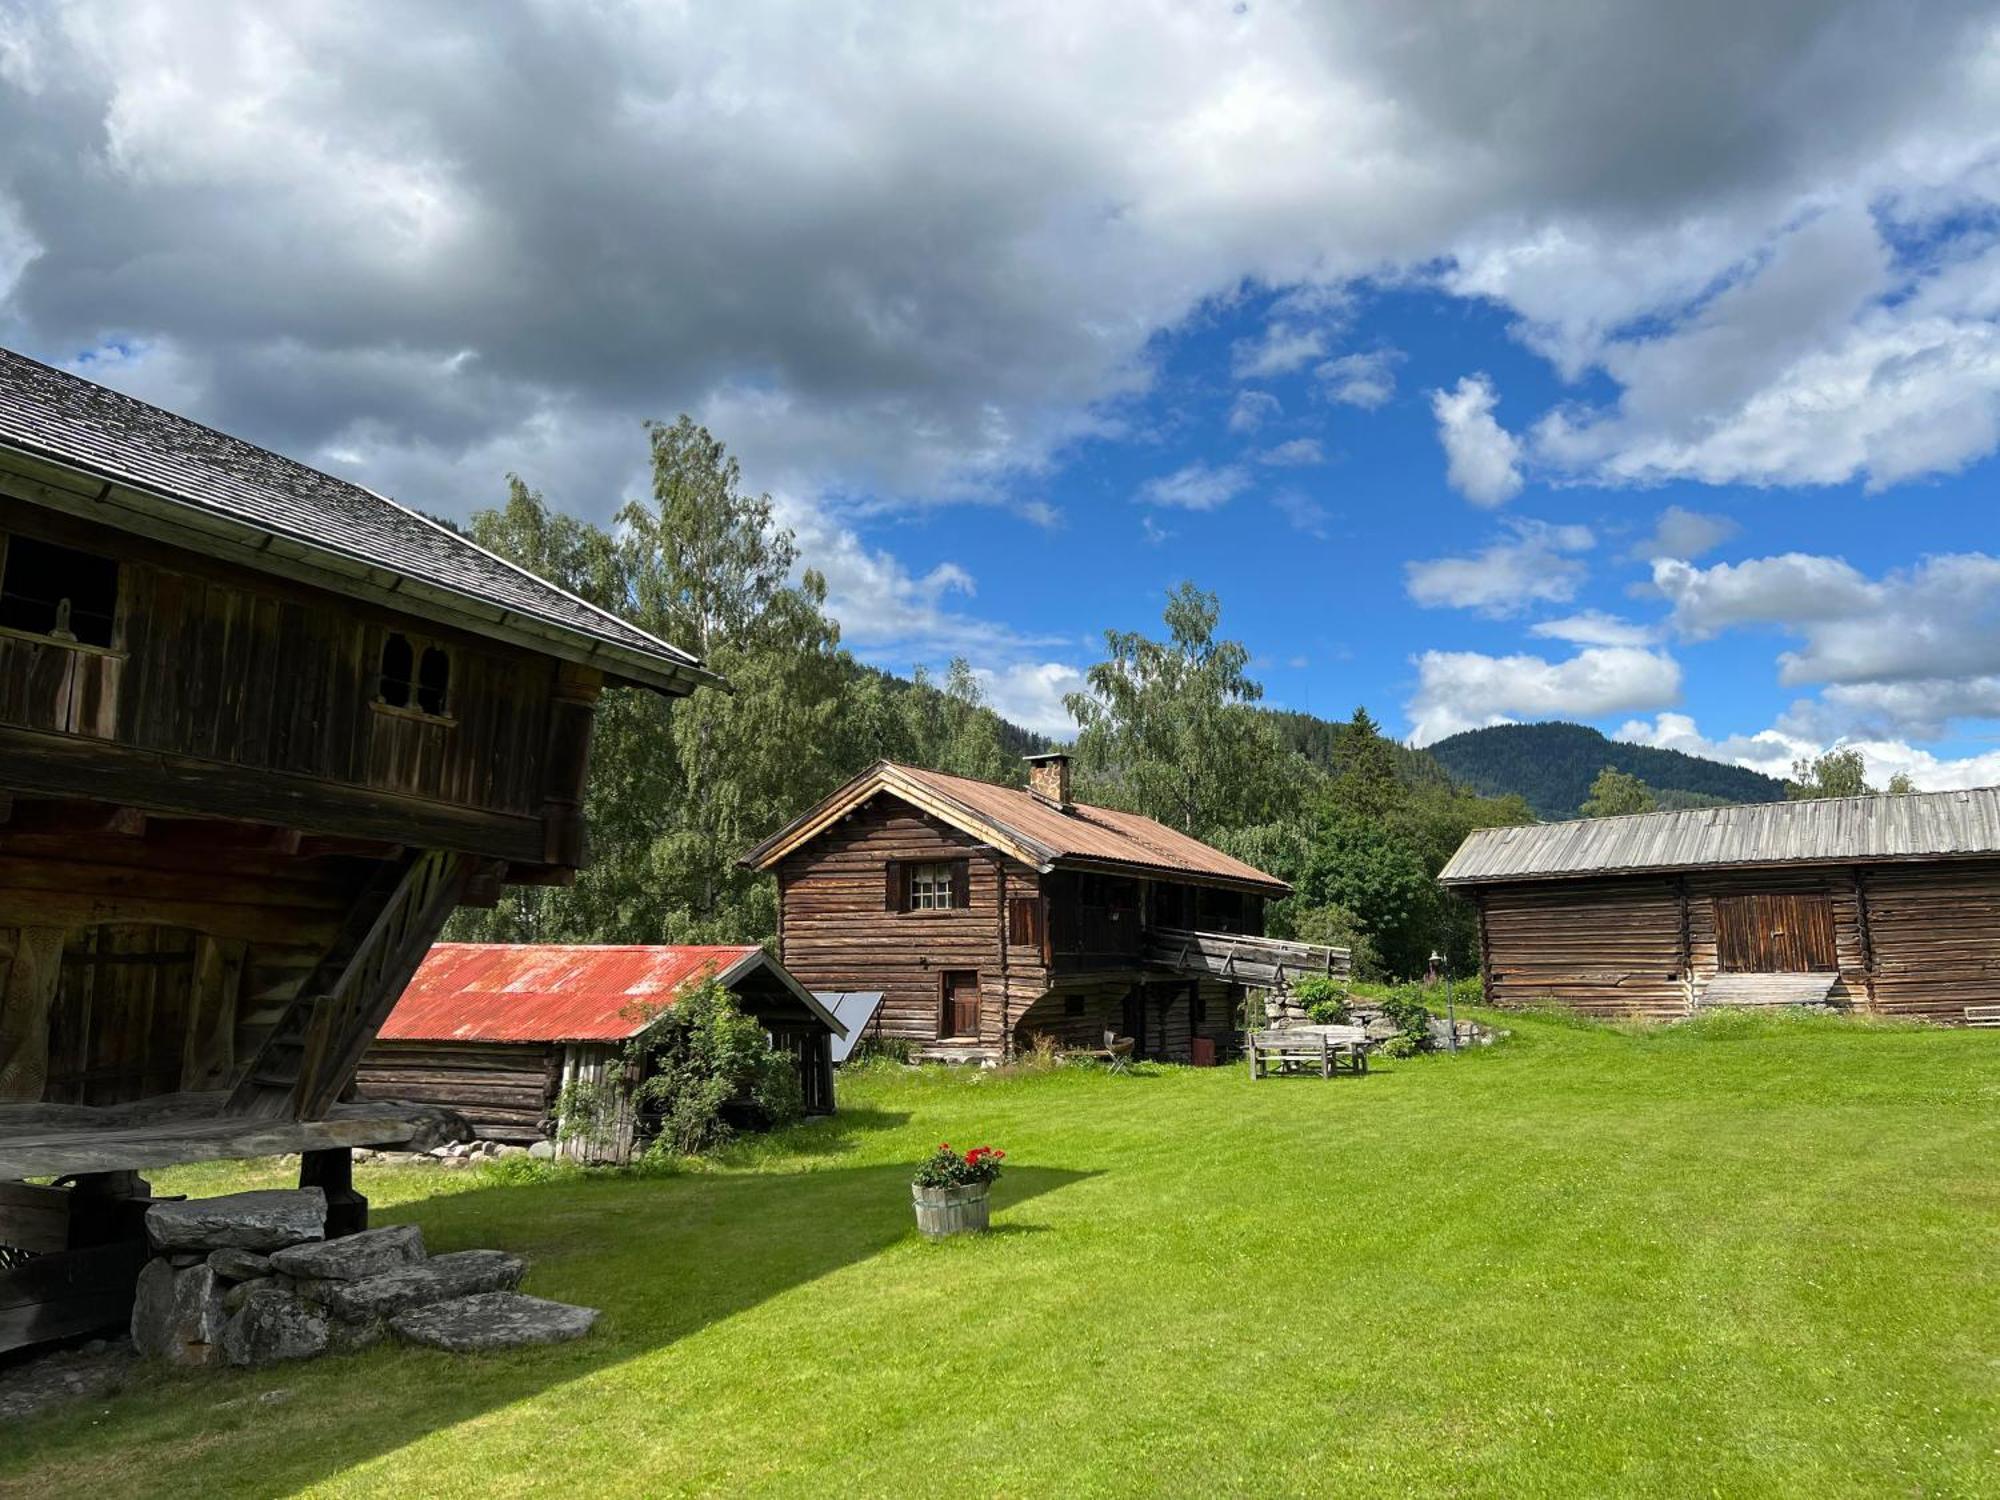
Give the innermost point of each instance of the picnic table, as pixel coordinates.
(1293, 1048)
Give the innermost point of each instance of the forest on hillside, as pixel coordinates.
(1553, 765)
(1170, 727)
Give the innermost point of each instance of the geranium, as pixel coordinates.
(948, 1168)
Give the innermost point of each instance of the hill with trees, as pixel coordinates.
(1553, 765)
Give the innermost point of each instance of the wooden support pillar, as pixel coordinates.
(332, 1171)
(27, 995)
(1867, 937)
(208, 1055)
(566, 761)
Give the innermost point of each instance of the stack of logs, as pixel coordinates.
(250, 1279)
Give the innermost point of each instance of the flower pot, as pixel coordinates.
(952, 1210)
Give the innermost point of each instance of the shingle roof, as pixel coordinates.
(50, 414)
(1839, 830)
(1026, 827)
(542, 992)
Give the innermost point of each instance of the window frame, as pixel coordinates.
(422, 649)
(929, 880)
(115, 645)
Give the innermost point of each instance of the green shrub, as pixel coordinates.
(1407, 1009)
(701, 1058)
(1324, 999)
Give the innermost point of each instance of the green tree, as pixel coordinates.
(1838, 773)
(1167, 729)
(1614, 793)
(1901, 785)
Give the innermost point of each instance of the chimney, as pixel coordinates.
(1048, 778)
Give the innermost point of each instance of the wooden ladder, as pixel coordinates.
(313, 1050)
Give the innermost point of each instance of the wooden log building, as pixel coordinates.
(1886, 904)
(261, 730)
(497, 1031)
(988, 915)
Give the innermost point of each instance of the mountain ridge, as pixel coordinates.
(1551, 764)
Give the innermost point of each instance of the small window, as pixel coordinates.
(58, 592)
(398, 666)
(930, 887)
(433, 680)
(414, 676)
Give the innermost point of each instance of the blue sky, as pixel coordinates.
(1624, 363)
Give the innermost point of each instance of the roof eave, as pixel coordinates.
(177, 522)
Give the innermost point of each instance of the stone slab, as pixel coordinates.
(442, 1278)
(491, 1321)
(266, 1220)
(352, 1257)
(272, 1326)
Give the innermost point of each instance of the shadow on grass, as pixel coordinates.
(662, 1257)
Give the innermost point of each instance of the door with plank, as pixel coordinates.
(958, 994)
(1789, 932)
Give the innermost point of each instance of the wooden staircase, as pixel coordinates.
(1240, 958)
(314, 1048)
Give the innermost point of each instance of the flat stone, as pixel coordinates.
(439, 1279)
(352, 1257)
(273, 1325)
(492, 1320)
(177, 1314)
(239, 1292)
(239, 1265)
(266, 1220)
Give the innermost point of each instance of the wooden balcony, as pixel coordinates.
(1238, 958)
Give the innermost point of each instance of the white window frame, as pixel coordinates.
(930, 886)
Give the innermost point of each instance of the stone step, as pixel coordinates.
(442, 1278)
(492, 1320)
(269, 1219)
(353, 1257)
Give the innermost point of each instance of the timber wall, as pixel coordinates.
(1079, 1013)
(1917, 939)
(507, 1090)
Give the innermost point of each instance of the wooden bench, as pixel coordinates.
(1982, 1015)
(1324, 1047)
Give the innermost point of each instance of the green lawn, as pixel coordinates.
(1753, 1257)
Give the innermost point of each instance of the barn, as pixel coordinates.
(497, 1031)
(1883, 904)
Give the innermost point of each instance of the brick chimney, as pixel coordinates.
(1048, 778)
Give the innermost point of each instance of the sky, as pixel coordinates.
(1625, 363)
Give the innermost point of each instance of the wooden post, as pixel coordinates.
(332, 1171)
(572, 711)
(27, 995)
(1867, 937)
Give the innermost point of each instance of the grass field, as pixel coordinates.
(1743, 1258)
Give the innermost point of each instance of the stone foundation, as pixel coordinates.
(250, 1279)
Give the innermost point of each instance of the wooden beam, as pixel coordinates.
(28, 992)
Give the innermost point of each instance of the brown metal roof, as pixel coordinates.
(1026, 827)
(56, 416)
(1834, 830)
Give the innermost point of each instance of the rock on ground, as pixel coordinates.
(492, 1320)
(239, 1265)
(273, 1325)
(265, 1220)
(439, 1279)
(353, 1256)
(177, 1315)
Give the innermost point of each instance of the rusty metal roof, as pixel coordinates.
(1833, 830)
(538, 992)
(1026, 827)
(53, 415)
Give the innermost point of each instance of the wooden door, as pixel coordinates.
(1134, 1019)
(960, 1003)
(118, 1030)
(1778, 933)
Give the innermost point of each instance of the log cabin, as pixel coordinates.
(497, 1032)
(1883, 904)
(261, 730)
(989, 916)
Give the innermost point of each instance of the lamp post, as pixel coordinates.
(1443, 966)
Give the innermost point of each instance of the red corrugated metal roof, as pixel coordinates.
(535, 992)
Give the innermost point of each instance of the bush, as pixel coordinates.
(1407, 1009)
(946, 1168)
(1324, 999)
(702, 1058)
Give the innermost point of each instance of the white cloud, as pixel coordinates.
(1284, 347)
(1252, 409)
(1295, 454)
(1196, 486)
(1363, 380)
(1459, 690)
(1031, 694)
(1482, 458)
(1774, 751)
(1592, 627)
(1303, 512)
(1685, 534)
(1535, 566)
(1793, 589)
(1155, 534)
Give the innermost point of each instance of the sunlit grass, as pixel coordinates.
(1752, 1256)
